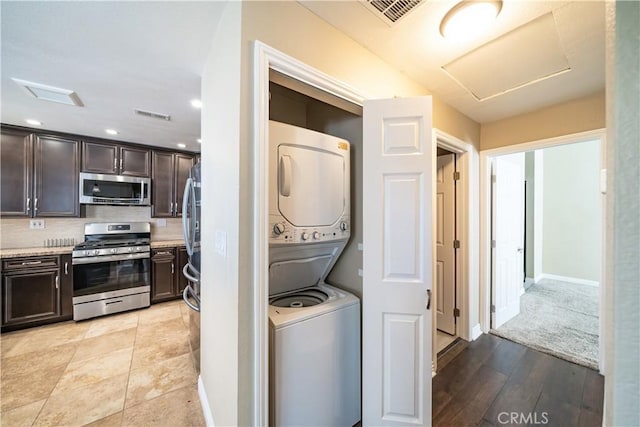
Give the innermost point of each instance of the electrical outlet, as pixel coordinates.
(36, 224)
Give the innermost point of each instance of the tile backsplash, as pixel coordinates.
(15, 233)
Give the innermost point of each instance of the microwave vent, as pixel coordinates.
(153, 115)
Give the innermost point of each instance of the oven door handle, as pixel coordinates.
(109, 258)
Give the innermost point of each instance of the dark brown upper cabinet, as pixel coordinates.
(98, 157)
(39, 175)
(170, 173)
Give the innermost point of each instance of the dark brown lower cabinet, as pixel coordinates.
(167, 281)
(36, 291)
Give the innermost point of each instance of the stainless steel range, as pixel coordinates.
(111, 269)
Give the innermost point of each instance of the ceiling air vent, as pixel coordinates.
(153, 115)
(391, 11)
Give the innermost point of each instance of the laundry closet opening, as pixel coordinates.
(314, 255)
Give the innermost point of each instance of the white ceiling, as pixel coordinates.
(121, 56)
(414, 45)
(117, 56)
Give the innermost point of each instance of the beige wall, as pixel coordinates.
(16, 232)
(579, 115)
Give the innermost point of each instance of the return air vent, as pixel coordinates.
(391, 11)
(153, 115)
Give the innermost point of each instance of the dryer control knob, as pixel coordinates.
(316, 235)
(343, 226)
(278, 229)
(305, 235)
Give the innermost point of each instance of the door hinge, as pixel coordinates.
(493, 308)
(456, 176)
(456, 312)
(493, 179)
(456, 244)
(493, 243)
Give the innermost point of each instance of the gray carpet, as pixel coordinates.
(557, 318)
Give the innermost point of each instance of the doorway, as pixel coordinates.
(545, 246)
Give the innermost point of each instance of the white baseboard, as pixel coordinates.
(204, 402)
(568, 279)
(476, 331)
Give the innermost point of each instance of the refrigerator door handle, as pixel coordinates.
(188, 293)
(186, 272)
(187, 228)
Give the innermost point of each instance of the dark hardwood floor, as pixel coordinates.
(494, 382)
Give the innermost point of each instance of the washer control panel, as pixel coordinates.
(282, 232)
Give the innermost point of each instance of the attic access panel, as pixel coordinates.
(524, 56)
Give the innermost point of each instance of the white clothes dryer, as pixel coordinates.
(314, 336)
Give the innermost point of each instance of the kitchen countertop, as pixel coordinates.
(41, 251)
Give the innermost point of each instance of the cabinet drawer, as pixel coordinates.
(31, 262)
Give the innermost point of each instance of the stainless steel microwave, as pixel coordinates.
(105, 189)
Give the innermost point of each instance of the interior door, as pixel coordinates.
(445, 252)
(397, 262)
(508, 235)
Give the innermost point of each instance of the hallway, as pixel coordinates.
(493, 382)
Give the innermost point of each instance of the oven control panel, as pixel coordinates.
(94, 252)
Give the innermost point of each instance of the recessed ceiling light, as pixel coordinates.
(181, 145)
(50, 93)
(33, 122)
(469, 18)
(199, 140)
(196, 103)
(111, 131)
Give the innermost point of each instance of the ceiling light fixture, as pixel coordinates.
(181, 145)
(196, 103)
(50, 93)
(33, 122)
(199, 140)
(111, 131)
(469, 18)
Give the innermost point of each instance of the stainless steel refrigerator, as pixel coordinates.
(191, 230)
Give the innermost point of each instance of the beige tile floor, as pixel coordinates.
(129, 369)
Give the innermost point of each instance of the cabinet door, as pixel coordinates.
(162, 184)
(135, 162)
(66, 287)
(30, 297)
(99, 158)
(15, 173)
(163, 284)
(57, 169)
(183, 166)
(183, 258)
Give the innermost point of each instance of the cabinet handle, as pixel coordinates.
(121, 165)
(31, 263)
(35, 205)
(28, 205)
(57, 282)
(115, 164)
(66, 268)
(173, 270)
(163, 253)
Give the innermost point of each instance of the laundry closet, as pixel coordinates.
(315, 256)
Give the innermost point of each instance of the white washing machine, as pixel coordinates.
(314, 351)
(314, 328)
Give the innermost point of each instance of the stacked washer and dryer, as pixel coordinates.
(314, 328)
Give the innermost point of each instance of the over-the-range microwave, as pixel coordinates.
(105, 189)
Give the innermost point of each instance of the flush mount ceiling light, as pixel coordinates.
(469, 18)
(196, 103)
(50, 93)
(181, 145)
(34, 122)
(111, 131)
(199, 140)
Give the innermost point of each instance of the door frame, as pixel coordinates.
(486, 160)
(264, 58)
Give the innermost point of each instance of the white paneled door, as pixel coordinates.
(397, 262)
(508, 235)
(445, 235)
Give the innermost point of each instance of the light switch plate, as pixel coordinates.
(161, 222)
(221, 243)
